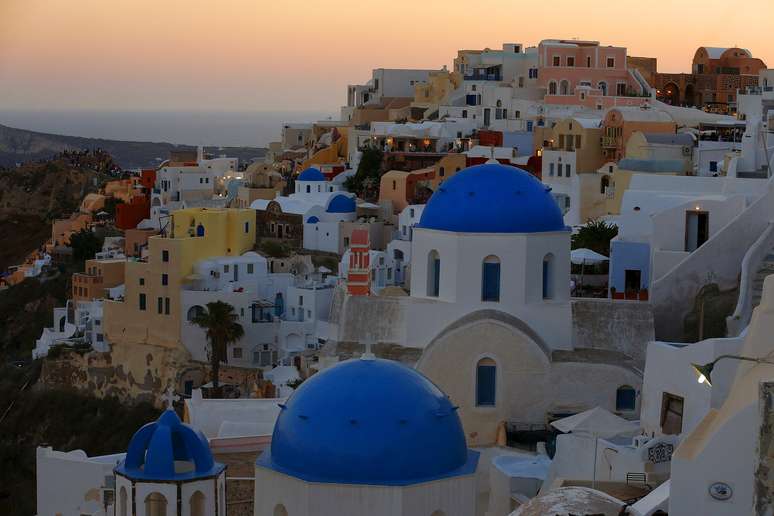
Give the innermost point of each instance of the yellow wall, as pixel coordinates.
(224, 235)
(334, 154)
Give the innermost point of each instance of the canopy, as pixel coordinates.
(581, 256)
(597, 421)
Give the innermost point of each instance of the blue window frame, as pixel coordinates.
(625, 398)
(434, 274)
(490, 279)
(200, 230)
(486, 383)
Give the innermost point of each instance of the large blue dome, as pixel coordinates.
(492, 198)
(369, 422)
(168, 449)
(341, 204)
(311, 174)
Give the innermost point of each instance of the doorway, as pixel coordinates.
(696, 229)
(487, 117)
(632, 278)
(279, 230)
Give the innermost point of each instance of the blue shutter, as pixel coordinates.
(436, 276)
(486, 379)
(625, 398)
(490, 282)
(545, 279)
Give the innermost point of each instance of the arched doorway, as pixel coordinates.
(670, 94)
(689, 96)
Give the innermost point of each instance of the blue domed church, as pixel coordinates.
(489, 318)
(367, 436)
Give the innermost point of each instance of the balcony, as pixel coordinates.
(609, 142)
(484, 77)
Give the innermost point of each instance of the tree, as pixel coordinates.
(365, 182)
(85, 245)
(595, 235)
(220, 322)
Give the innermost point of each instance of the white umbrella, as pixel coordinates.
(583, 256)
(597, 422)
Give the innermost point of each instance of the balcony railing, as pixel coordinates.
(609, 141)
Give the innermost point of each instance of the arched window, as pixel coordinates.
(194, 312)
(603, 184)
(122, 502)
(200, 230)
(490, 279)
(564, 88)
(517, 114)
(464, 113)
(625, 398)
(486, 382)
(603, 87)
(197, 504)
(279, 510)
(552, 88)
(441, 171)
(433, 274)
(499, 103)
(548, 276)
(155, 504)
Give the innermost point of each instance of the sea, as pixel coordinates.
(217, 128)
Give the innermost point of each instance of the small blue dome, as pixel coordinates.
(311, 174)
(341, 204)
(312, 220)
(369, 422)
(492, 198)
(156, 448)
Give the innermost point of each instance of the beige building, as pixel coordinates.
(98, 276)
(151, 311)
(262, 181)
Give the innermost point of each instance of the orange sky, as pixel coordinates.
(301, 54)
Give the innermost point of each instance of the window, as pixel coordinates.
(226, 268)
(625, 398)
(165, 279)
(564, 88)
(567, 170)
(713, 165)
(164, 255)
(441, 173)
(394, 185)
(308, 189)
(557, 61)
(490, 279)
(300, 300)
(160, 305)
(588, 62)
(577, 141)
(237, 352)
(521, 81)
(570, 61)
(611, 62)
(142, 302)
(603, 88)
(486, 383)
(464, 113)
(166, 306)
(548, 287)
(433, 274)
(197, 504)
(247, 227)
(200, 230)
(122, 502)
(155, 504)
(550, 169)
(671, 414)
(250, 267)
(194, 312)
(552, 88)
(604, 183)
(142, 281)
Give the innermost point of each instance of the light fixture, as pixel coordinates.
(704, 372)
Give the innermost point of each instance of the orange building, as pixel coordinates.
(716, 76)
(620, 123)
(359, 273)
(402, 188)
(98, 276)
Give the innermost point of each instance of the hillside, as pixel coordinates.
(21, 145)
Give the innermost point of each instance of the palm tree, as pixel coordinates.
(220, 322)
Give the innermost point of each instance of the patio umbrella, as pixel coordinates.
(596, 422)
(583, 256)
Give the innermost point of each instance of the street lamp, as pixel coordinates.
(704, 372)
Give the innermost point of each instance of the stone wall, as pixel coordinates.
(764, 476)
(624, 327)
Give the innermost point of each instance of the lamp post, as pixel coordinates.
(704, 372)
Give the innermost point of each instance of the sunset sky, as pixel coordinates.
(301, 54)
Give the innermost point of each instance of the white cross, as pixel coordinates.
(170, 397)
(368, 355)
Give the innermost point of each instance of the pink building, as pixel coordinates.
(587, 74)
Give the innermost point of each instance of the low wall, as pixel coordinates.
(622, 326)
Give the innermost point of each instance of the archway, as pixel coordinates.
(280, 510)
(689, 95)
(670, 94)
(197, 504)
(155, 504)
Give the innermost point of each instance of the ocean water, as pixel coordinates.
(247, 128)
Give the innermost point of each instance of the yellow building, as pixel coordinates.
(150, 312)
(440, 83)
